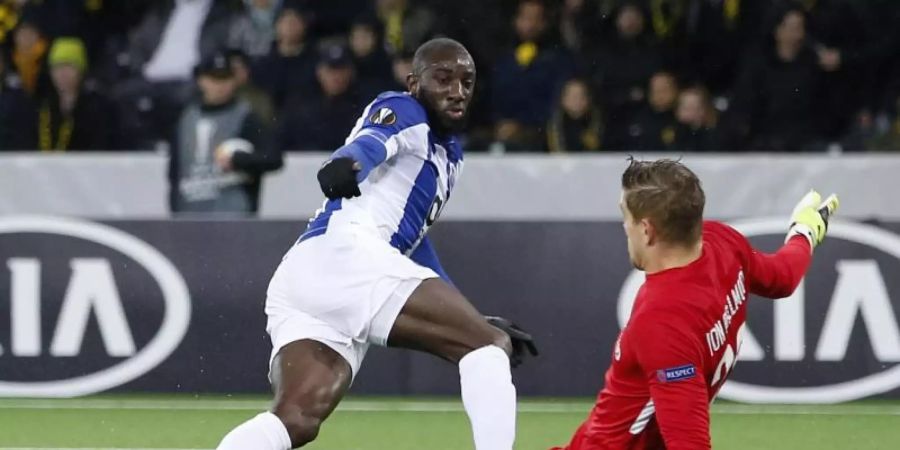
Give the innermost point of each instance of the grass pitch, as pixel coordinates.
(189, 422)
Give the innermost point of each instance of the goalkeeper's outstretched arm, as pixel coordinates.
(778, 275)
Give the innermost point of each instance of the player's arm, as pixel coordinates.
(778, 275)
(425, 255)
(672, 365)
(390, 126)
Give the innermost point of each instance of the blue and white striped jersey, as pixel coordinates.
(407, 175)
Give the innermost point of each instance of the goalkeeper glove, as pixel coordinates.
(810, 217)
(520, 339)
(337, 178)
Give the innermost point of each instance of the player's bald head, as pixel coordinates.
(443, 81)
(439, 50)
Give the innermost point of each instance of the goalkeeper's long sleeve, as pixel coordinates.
(772, 275)
(778, 275)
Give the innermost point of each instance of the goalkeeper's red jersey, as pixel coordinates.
(681, 342)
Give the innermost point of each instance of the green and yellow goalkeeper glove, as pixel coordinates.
(810, 217)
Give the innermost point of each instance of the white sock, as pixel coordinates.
(263, 432)
(489, 397)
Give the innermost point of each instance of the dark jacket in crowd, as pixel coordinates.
(318, 123)
(17, 124)
(620, 71)
(717, 37)
(79, 130)
(689, 139)
(841, 25)
(374, 74)
(649, 130)
(286, 77)
(776, 103)
(526, 93)
(197, 184)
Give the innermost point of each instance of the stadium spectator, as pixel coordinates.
(29, 54)
(837, 30)
(220, 149)
(175, 35)
(526, 80)
(79, 18)
(163, 50)
(696, 129)
(653, 127)
(775, 102)
(576, 125)
(373, 66)
(68, 116)
(622, 65)
(290, 68)
(322, 122)
(248, 90)
(718, 34)
(406, 25)
(253, 30)
(16, 112)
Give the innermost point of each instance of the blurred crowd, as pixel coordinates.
(553, 76)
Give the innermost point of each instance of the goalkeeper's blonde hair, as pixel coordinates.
(669, 195)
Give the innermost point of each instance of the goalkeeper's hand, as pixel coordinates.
(810, 217)
(521, 340)
(337, 178)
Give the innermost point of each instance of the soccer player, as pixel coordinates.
(365, 273)
(684, 333)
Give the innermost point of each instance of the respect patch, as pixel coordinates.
(676, 373)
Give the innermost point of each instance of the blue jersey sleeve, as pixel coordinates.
(424, 255)
(389, 124)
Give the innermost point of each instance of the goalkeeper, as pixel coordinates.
(684, 332)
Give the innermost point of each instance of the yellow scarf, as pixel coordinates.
(665, 14)
(730, 11)
(393, 30)
(45, 130)
(525, 53)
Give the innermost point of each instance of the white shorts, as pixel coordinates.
(344, 288)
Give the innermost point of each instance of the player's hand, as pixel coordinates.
(810, 217)
(337, 178)
(521, 339)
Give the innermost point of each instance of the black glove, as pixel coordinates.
(521, 340)
(337, 178)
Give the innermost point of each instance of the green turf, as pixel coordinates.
(407, 424)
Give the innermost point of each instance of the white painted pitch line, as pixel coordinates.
(201, 405)
(421, 407)
(91, 448)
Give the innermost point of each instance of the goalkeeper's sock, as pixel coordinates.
(489, 397)
(263, 432)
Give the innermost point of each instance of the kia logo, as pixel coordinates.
(92, 295)
(815, 333)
